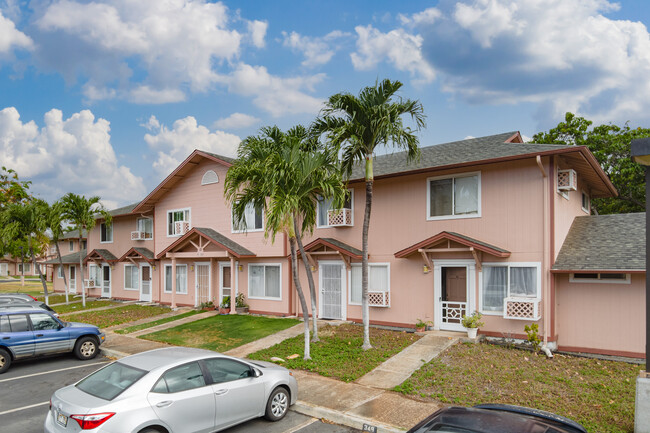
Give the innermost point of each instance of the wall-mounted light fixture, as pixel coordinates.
(241, 268)
(425, 269)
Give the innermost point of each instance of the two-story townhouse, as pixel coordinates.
(70, 248)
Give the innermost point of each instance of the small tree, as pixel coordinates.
(54, 222)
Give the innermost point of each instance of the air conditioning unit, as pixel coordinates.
(90, 284)
(567, 180)
(339, 217)
(138, 236)
(521, 308)
(181, 227)
(378, 299)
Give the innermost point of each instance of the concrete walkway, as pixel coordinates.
(266, 342)
(173, 323)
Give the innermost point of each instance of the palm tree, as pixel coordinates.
(282, 174)
(358, 125)
(54, 223)
(82, 212)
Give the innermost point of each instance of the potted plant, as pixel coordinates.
(472, 323)
(240, 303)
(421, 325)
(224, 308)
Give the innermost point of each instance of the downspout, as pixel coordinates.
(546, 246)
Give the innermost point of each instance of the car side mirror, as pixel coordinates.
(256, 372)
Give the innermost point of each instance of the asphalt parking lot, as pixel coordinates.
(26, 388)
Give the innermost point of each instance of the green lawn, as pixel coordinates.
(156, 322)
(597, 394)
(222, 333)
(31, 287)
(57, 299)
(339, 353)
(116, 316)
(64, 309)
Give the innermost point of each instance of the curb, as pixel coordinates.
(343, 418)
(112, 353)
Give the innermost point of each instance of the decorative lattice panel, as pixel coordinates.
(523, 309)
(379, 299)
(181, 227)
(567, 180)
(339, 217)
(453, 312)
(137, 236)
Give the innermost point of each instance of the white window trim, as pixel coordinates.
(588, 209)
(137, 224)
(264, 298)
(189, 220)
(22, 265)
(71, 246)
(232, 224)
(627, 280)
(326, 226)
(450, 217)
(165, 279)
(358, 265)
(537, 265)
(59, 272)
(100, 234)
(139, 278)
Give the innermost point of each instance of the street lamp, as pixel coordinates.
(641, 155)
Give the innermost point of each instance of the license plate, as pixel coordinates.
(62, 419)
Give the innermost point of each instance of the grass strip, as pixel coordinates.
(77, 306)
(223, 332)
(119, 315)
(598, 394)
(338, 354)
(141, 326)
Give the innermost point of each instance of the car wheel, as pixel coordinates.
(5, 360)
(278, 404)
(86, 348)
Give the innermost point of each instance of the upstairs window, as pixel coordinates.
(325, 205)
(106, 233)
(83, 245)
(253, 220)
(177, 216)
(145, 225)
(586, 202)
(71, 245)
(454, 196)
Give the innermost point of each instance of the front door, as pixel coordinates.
(106, 281)
(225, 281)
(145, 283)
(453, 299)
(72, 283)
(4, 269)
(332, 290)
(202, 283)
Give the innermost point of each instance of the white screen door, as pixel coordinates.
(225, 281)
(332, 295)
(106, 280)
(145, 283)
(202, 277)
(73, 280)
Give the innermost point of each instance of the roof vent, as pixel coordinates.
(209, 177)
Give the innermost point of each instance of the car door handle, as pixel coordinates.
(39, 335)
(6, 338)
(220, 391)
(164, 403)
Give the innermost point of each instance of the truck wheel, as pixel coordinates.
(85, 348)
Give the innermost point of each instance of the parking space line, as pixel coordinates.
(24, 407)
(53, 371)
(298, 427)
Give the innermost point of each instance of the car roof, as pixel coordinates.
(18, 309)
(166, 357)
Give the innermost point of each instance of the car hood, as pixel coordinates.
(269, 365)
(79, 325)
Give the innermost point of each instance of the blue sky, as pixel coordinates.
(107, 97)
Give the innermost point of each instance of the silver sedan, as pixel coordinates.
(175, 390)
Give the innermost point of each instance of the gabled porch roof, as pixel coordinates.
(102, 255)
(327, 246)
(69, 259)
(137, 253)
(201, 238)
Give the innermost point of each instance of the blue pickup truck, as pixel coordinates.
(32, 333)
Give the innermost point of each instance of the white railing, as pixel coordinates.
(181, 227)
(521, 308)
(567, 180)
(453, 312)
(339, 217)
(379, 299)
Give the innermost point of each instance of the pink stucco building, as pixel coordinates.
(474, 225)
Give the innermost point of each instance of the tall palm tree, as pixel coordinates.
(358, 125)
(280, 173)
(82, 212)
(54, 223)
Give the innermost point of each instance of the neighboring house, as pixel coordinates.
(70, 249)
(13, 266)
(474, 225)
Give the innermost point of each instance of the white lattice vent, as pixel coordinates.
(339, 217)
(567, 180)
(521, 308)
(181, 227)
(379, 299)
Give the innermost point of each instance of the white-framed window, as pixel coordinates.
(253, 220)
(59, 272)
(601, 277)
(456, 196)
(265, 281)
(378, 280)
(324, 205)
(27, 266)
(174, 216)
(503, 280)
(105, 233)
(71, 245)
(95, 274)
(84, 244)
(145, 225)
(209, 177)
(586, 202)
(131, 277)
(181, 279)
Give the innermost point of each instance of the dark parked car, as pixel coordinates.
(16, 297)
(28, 333)
(496, 418)
(33, 305)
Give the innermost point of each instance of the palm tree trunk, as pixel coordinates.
(65, 280)
(365, 310)
(40, 274)
(310, 280)
(301, 295)
(81, 272)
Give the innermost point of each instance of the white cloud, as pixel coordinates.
(427, 16)
(236, 121)
(67, 155)
(398, 47)
(148, 95)
(317, 51)
(12, 38)
(257, 30)
(174, 145)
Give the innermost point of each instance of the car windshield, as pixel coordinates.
(110, 381)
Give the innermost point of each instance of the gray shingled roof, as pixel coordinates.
(125, 210)
(228, 243)
(145, 252)
(455, 152)
(74, 234)
(106, 255)
(67, 259)
(604, 242)
(225, 158)
(343, 246)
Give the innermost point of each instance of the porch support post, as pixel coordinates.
(234, 274)
(173, 283)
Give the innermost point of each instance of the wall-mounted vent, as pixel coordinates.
(567, 180)
(209, 177)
